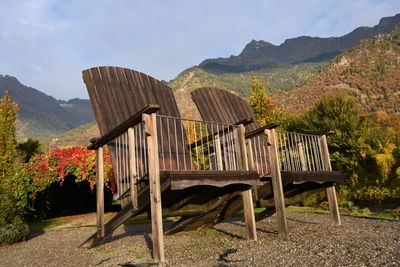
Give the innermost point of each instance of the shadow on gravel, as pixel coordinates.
(223, 257)
(101, 262)
(229, 234)
(149, 243)
(128, 264)
(300, 221)
(258, 229)
(32, 235)
(129, 230)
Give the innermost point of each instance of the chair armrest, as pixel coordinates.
(124, 126)
(261, 130)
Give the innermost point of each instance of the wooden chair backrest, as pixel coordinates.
(220, 105)
(118, 93)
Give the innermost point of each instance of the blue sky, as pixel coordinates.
(47, 43)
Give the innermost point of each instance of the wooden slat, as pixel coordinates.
(313, 176)
(220, 105)
(185, 179)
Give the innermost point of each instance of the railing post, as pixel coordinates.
(330, 191)
(218, 152)
(247, 195)
(277, 181)
(132, 168)
(155, 190)
(302, 156)
(100, 193)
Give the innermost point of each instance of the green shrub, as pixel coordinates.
(13, 232)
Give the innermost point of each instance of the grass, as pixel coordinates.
(386, 214)
(45, 226)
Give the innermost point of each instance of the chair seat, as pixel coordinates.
(313, 176)
(184, 179)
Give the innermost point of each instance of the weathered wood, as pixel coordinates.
(312, 176)
(132, 168)
(302, 157)
(223, 131)
(220, 105)
(330, 191)
(277, 181)
(261, 130)
(123, 127)
(100, 193)
(155, 191)
(218, 152)
(246, 195)
(250, 163)
(184, 179)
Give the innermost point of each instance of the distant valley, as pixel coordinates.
(41, 116)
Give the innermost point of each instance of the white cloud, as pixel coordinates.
(46, 43)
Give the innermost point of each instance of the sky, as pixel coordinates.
(46, 44)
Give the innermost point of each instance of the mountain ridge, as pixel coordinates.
(262, 54)
(42, 116)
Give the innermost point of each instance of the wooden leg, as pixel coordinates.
(277, 182)
(155, 190)
(333, 205)
(249, 214)
(100, 194)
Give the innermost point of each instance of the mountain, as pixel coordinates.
(42, 116)
(261, 54)
(369, 72)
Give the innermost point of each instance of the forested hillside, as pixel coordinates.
(370, 72)
(282, 78)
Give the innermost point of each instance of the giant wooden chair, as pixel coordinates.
(154, 165)
(292, 165)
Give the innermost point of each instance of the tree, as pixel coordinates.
(8, 143)
(263, 106)
(12, 179)
(341, 115)
(28, 149)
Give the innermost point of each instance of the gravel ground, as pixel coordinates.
(312, 241)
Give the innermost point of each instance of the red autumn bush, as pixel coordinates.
(78, 161)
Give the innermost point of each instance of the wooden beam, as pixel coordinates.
(155, 190)
(218, 153)
(277, 181)
(124, 126)
(330, 191)
(246, 195)
(262, 130)
(302, 157)
(132, 168)
(100, 193)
